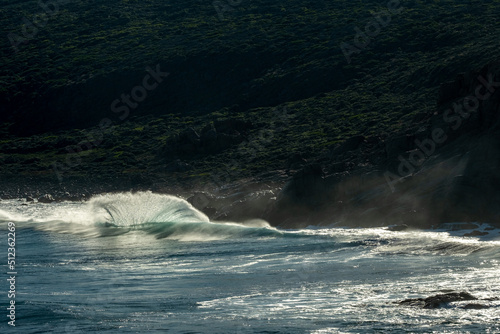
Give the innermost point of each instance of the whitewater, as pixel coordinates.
(145, 262)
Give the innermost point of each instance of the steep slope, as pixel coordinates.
(303, 77)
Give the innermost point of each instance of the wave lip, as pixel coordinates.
(130, 209)
(167, 217)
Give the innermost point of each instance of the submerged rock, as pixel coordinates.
(438, 300)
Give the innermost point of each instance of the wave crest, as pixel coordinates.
(130, 209)
(166, 216)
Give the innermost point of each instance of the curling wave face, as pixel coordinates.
(127, 209)
(169, 217)
(163, 216)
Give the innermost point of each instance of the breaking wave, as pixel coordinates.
(163, 216)
(132, 209)
(170, 217)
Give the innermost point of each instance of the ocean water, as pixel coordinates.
(135, 263)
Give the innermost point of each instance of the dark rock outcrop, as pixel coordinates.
(239, 205)
(300, 197)
(438, 300)
(210, 212)
(201, 200)
(446, 170)
(47, 198)
(252, 205)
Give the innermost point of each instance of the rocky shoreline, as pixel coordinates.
(444, 171)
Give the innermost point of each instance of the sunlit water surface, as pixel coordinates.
(145, 262)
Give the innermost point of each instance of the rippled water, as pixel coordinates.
(144, 262)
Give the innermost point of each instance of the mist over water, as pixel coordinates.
(137, 262)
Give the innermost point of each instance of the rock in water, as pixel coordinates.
(47, 198)
(438, 300)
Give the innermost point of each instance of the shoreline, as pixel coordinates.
(481, 231)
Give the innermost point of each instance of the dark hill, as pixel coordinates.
(256, 90)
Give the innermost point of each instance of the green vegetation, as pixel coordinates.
(278, 65)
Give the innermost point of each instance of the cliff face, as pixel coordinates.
(446, 171)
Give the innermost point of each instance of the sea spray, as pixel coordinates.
(158, 215)
(129, 209)
(167, 216)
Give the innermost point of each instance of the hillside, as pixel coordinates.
(255, 90)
